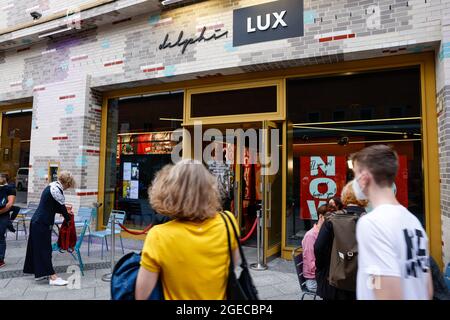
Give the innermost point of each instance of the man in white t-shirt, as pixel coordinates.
(393, 257)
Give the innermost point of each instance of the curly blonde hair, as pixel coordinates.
(66, 179)
(349, 197)
(185, 191)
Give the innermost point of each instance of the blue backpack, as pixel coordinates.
(3, 196)
(123, 281)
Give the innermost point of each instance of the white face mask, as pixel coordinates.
(359, 194)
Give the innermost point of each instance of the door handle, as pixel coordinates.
(236, 197)
(269, 206)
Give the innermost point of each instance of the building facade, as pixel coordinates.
(332, 76)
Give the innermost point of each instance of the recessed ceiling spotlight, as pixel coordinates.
(167, 2)
(343, 141)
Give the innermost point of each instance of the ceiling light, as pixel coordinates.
(18, 111)
(167, 2)
(171, 119)
(350, 164)
(54, 32)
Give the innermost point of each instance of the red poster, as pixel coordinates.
(401, 181)
(144, 143)
(322, 177)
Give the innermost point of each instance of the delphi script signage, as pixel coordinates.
(271, 21)
(184, 42)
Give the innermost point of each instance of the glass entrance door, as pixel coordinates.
(231, 153)
(272, 187)
(246, 159)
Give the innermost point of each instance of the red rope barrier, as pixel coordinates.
(136, 233)
(145, 231)
(250, 233)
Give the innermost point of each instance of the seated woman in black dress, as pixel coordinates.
(38, 259)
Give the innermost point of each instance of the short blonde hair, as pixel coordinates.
(66, 179)
(185, 191)
(349, 197)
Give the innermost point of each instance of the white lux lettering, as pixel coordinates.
(279, 20)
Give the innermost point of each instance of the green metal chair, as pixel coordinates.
(76, 253)
(103, 234)
(78, 246)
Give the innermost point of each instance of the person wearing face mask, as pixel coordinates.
(393, 254)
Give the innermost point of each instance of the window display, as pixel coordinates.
(15, 150)
(372, 110)
(140, 132)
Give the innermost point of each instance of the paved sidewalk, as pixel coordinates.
(279, 282)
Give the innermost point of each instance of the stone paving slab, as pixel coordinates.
(267, 292)
(74, 294)
(34, 296)
(103, 293)
(4, 283)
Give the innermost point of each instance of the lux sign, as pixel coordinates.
(275, 20)
(279, 21)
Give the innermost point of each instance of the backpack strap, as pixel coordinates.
(229, 242)
(241, 251)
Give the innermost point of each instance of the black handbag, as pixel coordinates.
(241, 288)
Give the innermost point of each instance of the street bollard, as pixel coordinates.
(259, 265)
(107, 277)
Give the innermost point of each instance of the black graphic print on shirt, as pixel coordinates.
(416, 253)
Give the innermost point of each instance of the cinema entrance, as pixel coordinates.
(271, 137)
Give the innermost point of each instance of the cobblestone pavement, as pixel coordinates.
(279, 282)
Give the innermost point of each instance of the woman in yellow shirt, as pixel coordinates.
(189, 253)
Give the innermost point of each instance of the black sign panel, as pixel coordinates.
(267, 22)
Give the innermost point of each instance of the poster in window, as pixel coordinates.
(144, 144)
(127, 144)
(134, 171)
(134, 189)
(321, 178)
(126, 192)
(134, 183)
(127, 171)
